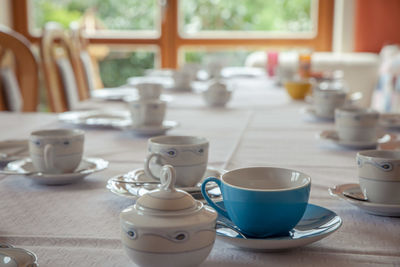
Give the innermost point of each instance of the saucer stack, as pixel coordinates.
(148, 111)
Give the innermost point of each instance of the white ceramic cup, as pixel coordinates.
(149, 90)
(217, 94)
(56, 151)
(326, 101)
(357, 124)
(182, 80)
(187, 154)
(147, 112)
(379, 175)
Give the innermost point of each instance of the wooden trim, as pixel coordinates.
(169, 35)
(170, 41)
(25, 65)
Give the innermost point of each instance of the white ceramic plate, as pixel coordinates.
(134, 191)
(317, 223)
(332, 136)
(151, 130)
(390, 120)
(242, 72)
(97, 118)
(11, 150)
(113, 94)
(16, 257)
(369, 207)
(25, 168)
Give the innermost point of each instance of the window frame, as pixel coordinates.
(170, 41)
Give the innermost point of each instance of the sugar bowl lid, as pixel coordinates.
(167, 197)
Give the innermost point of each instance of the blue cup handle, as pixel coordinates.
(208, 199)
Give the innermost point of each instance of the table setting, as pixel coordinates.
(186, 181)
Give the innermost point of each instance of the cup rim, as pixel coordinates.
(336, 92)
(308, 183)
(370, 154)
(146, 101)
(156, 140)
(356, 111)
(57, 133)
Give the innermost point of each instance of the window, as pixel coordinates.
(185, 30)
(99, 16)
(247, 18)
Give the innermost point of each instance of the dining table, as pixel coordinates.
(78, 224)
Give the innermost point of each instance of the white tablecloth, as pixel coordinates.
(78, 224)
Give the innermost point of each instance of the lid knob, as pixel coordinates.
(168, 178)
(167, 198)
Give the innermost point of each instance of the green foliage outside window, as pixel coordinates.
(196, 16)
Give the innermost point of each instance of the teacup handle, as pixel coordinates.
(49, 156)
(208, 199)
(147, 170)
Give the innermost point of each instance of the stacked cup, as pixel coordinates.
(148, 109)
(326, 101)
(379, 175)
(355, 124)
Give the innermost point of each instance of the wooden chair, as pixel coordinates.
(92, 80)
(62, 72)
(19, 70)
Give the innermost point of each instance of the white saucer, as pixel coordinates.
(24, 167)
(311, 114)
(151, 130)
(166, 98)
(317, 223)
(11, 150)
(369, 207)
(332, 136)
(97, 118)
(390, 120)
(13, 257)
(133, 191)
(113, 94)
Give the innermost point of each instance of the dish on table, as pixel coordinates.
(11, 150)
(332, 136)
(350, 193)
(24, 167)
(135, 184)
(316, 224)
(16, 257)
(151, 130)
(97, 118)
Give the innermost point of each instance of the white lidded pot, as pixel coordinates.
(217, 94)
(167, 227)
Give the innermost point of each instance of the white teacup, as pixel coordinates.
(182, 80)
(147, 112)
(149, 90)
(217, 94)
(357, 124)
(56, 151)
(326, 101)
(379, 175)
(187, 154)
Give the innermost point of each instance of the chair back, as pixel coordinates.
(18, 73)
(91, 76)
(61, 69)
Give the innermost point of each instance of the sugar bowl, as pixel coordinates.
(167, 227)
(217, 94)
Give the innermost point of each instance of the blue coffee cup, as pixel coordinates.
(262, 201)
